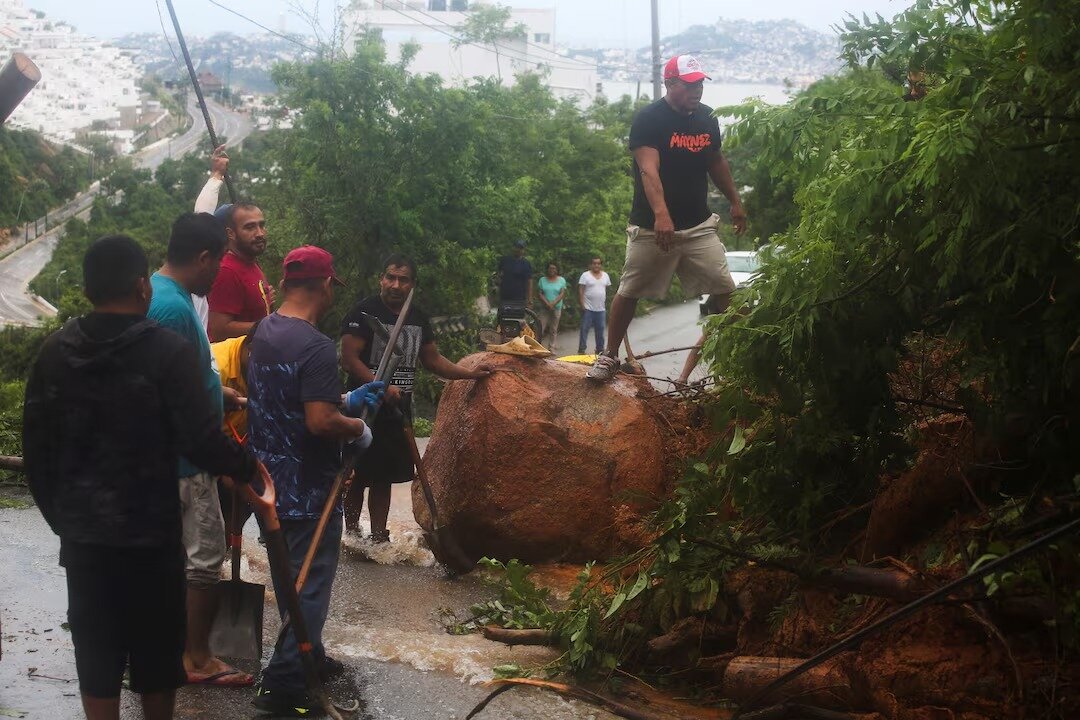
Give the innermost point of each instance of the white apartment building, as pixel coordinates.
(433, 26)
(83, 81)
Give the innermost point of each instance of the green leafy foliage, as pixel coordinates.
(422, 427)
(520, 604)
(146, 212)
(36, 176)
(21, 345)
(11, 400)
(954, 215)
(380, 160)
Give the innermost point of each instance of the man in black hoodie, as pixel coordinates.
(112, 401)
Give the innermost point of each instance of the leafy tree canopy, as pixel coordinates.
(381, 160)
(36, 176)
(953, 216)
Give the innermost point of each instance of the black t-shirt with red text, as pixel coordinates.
(686, 143)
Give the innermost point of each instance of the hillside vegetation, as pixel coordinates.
(36, 176)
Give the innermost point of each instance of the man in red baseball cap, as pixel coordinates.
(309, 262)
(675, 142)
(295, 425)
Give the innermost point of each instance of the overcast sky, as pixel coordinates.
(596, 23)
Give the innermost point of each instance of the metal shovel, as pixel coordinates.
(238, 626)
(278, 554)
(443, 545)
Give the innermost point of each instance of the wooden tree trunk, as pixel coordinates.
(826, 686)
(875, 582)
(517, 637)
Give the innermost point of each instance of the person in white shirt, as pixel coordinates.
(592, 293)
(207, 202)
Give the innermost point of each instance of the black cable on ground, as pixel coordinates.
(484, 703)
(902, 613)
(796, 711)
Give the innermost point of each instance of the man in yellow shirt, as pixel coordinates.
(231, 357)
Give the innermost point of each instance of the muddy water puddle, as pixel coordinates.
(391, 600)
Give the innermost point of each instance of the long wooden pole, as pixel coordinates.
(198, 92)
(655, 50)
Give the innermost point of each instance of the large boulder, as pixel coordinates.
(538, 463)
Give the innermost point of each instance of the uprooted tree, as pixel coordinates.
(900, 391)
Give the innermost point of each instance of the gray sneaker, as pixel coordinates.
(603, 369)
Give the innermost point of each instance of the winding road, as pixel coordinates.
(232, 126)
(17, 305)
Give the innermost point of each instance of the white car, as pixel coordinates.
(744, 266)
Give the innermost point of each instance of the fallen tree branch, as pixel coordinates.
(796, 711)
(904, 612)
(577, 693)
(857, 580)
(11, 462)
(862, 284)
(931, 404)
(484, 703)
(509, 636)
(654, 353)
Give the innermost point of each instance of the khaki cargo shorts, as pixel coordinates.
(697, 256)
(203, 529)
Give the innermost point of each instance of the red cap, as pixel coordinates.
(686, 68)
(308, 261)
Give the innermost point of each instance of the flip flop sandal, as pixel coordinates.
(226, 678)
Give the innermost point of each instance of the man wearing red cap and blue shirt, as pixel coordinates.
(676, 146)
(296, 427)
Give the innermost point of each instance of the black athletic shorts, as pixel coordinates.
(126, 607)
(389, 459)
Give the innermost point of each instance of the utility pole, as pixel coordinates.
(655, 50)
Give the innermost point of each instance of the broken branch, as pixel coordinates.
(509, 636)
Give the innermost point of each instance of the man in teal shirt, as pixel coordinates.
(196, 246)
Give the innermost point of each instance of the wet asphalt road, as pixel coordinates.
(384, 626)
(384, 621)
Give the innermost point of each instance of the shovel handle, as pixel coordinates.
(277, 553)
(236, 537)
(421, 475)
(264, 503)
(320, 529)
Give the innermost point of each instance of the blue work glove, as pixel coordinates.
(369, 395)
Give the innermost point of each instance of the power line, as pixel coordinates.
(314, 50)
(582, 63)
(495, 48)
(298, 43)
(168, 40)
(283, 36)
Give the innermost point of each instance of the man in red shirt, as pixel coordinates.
(240, 296)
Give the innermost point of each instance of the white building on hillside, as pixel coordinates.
(433, 26)
(85, 85)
